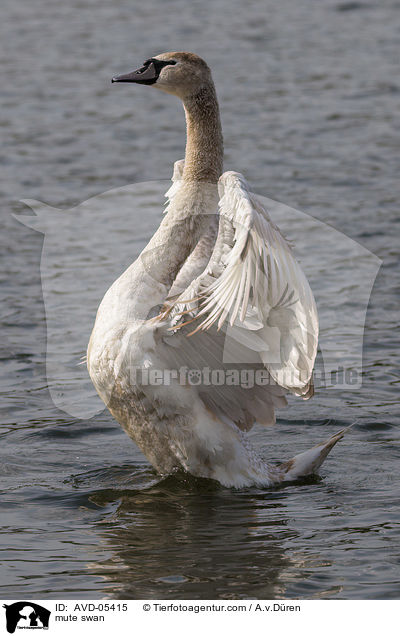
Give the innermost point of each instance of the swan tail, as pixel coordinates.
(308, 463)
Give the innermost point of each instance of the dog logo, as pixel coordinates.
(26, 615)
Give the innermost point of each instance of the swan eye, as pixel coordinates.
(159, 64)
(143, 68)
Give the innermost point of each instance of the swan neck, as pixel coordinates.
(204, 143)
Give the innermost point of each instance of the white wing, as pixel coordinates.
(251, 307)
(262, 291)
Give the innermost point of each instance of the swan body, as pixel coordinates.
(216, 293)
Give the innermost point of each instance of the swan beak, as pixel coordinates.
(144, 75)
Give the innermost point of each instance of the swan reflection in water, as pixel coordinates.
(187, 538)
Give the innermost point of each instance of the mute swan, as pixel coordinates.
(215, 297)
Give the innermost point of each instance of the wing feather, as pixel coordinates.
(254, 294)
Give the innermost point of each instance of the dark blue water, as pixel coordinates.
(309, 95)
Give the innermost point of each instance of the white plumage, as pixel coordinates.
(254, 284)
(217, 293)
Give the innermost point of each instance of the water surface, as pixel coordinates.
(309, 95)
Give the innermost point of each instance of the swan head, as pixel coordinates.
(178, 73)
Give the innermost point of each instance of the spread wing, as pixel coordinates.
(251, 308)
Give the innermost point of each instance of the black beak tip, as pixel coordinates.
(113, 79)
